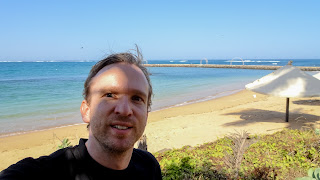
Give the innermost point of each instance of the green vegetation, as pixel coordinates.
(312, 175)
(64, 143)
(287, 154)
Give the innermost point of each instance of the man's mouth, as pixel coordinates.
(121, 127)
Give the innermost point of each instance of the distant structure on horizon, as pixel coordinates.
(144, 62)
(237, 58)
(205, 60)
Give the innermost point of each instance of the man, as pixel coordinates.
(117, 99)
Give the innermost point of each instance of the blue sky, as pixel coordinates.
(89, 30)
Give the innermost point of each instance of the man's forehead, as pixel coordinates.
(121, 66)
(126, 73)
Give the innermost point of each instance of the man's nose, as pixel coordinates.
(123, 107)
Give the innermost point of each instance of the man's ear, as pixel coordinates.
(85, 111)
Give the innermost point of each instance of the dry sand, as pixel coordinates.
(191, 124)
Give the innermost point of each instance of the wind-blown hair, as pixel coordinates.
(128, 57)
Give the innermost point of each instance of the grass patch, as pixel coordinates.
(64, 143)
(287, 154)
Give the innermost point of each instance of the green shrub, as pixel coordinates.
(312, 175)
(274, 156)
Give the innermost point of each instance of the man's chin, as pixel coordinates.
(118, 147)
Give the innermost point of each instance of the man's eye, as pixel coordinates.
(109, 95)
(137, 98)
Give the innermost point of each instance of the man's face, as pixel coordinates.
(117, 110)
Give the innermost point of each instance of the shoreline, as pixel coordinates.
(38, 130)
(208, 98)
(191, 124)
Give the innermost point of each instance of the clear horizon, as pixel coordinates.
(168, 30)
(95, 60)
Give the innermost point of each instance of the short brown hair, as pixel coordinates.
(128, 57)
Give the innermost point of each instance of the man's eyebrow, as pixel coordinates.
(116, 90)
(139, 93)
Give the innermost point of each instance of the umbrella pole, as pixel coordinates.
(287, 111)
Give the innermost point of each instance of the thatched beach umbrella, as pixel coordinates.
(288, 81)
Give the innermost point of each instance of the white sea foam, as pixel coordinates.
(259, 61)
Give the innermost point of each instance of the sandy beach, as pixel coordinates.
(191, 124)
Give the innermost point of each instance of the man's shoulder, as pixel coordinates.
(146, 163)
(142, 154)
(144, 157)
(44, 166)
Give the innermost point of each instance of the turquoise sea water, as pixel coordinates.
(38, 95)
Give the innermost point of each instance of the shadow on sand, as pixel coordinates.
(310, 102)
(297, 120)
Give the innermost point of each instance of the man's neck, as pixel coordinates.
(107, 158)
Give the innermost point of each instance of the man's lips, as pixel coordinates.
(121, 130)
(121, 127)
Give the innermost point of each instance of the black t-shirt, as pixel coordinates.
(76, 163)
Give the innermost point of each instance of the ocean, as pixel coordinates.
(40, 95)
